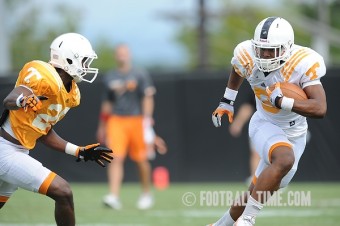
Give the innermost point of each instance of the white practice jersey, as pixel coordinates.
(305, 67)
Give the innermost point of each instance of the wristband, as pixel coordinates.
(277, 99)
(17, 102)
(224, 100)
(287, 103)
(104, 116)
(72, 149)
(230, 94)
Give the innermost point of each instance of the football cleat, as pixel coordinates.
(245, 221)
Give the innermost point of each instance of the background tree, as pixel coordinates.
(31, 35)
(310, 9)
(234, 24)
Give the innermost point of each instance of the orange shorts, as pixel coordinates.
(124, 134)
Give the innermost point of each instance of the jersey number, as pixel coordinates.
(262, 95)
(44, 121)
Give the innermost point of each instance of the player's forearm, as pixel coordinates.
(54, 141)
(235, 80)
(10, 102)
(315, 106)
(310, 108)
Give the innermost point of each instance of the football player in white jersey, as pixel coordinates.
(43, 94)
(278, 128)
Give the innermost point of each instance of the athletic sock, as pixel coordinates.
(253, 207)
(225, 220)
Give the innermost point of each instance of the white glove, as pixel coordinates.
(223, 108)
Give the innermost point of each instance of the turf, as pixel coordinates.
(26, 208)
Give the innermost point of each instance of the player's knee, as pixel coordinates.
(60, 190)
(288, 162)
(65, 192)
(284, 160)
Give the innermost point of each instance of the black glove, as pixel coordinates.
(96, 153)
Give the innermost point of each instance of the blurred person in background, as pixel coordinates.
(126, 124)
(243, 115)
(43, 94)
(278, 128)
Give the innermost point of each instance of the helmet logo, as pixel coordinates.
(265, 27)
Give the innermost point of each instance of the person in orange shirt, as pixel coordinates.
(126, 125)
(43, 94)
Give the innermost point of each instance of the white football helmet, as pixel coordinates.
(276, 34)
(73, 53)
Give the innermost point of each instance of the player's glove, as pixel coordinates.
(225, 107)
(95, 153)
(275, 95)
(31, 101)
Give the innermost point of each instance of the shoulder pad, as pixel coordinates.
(306, 63)
(242, 60)
(41, 77)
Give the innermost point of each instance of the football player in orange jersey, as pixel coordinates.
(278, 128)
(43, 94)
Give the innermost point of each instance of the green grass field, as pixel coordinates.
(26, 208)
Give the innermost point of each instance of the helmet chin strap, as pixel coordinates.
(77, 79)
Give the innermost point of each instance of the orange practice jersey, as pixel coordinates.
(43, 80)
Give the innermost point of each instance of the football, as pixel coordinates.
(291, 90)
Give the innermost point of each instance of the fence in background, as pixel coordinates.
(197, 150)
